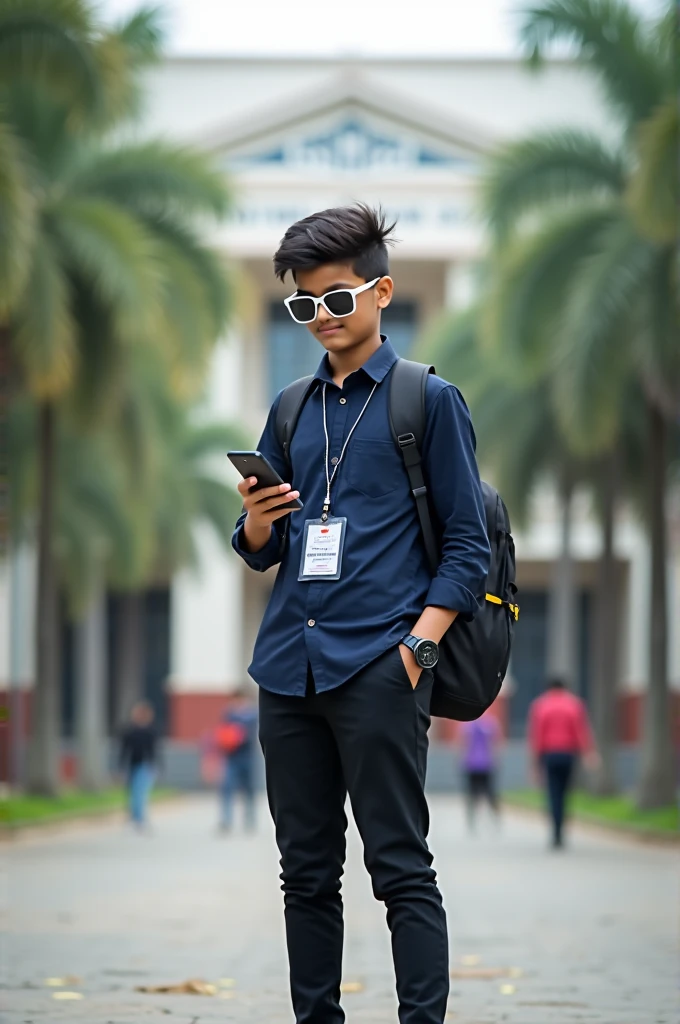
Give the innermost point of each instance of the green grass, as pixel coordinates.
(613, 810)
(36, 810)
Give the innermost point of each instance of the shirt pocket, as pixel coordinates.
(373, 469)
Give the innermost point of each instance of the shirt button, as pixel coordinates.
(343, 401)
(334, 460)
(311, 622)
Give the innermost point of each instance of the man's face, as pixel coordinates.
(337, 334)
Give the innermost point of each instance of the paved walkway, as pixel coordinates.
(588, 935)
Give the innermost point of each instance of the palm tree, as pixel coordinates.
(111, 261)
(521, 445)
(534, 451)
(185, 488)
(586, 282)
(101, 535)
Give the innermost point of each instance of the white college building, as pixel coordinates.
(299, 135)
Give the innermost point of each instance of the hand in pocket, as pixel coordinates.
(413, 669)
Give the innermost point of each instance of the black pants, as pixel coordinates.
(367, 738)
(559, 768)
(480, 786)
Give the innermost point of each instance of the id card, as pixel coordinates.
(322, 545)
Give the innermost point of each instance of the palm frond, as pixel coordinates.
(43, 332)
(50, 43)
(550, 168)
(43, 124)
(143, 34)
(153, 178)
(532, 282)
(180, 246)
(600, 319)
(195, 300)
(111, 249)
(452, 343)
(653, 192)
(121, 54)
(17, 218)
(219, 505)
(611, 39)
(203, 440)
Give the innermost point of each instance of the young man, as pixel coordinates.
(344, 703)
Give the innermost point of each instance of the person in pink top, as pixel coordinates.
(559, 733)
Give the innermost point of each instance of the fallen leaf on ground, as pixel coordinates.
(67, 995)
(352, 986)
(471, 960)
(515, 972)
(68, 979)
(488, 973)
(193, 987)
(227, 983)
(508, 990)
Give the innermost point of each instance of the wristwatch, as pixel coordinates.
(426, 652)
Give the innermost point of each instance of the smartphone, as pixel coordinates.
(255, 464)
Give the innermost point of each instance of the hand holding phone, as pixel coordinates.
(266, 497)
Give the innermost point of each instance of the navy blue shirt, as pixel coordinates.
(339, 626)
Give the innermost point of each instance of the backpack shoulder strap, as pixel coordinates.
(408, 384)
(288, 413)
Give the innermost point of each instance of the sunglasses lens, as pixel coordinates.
(302, 309)
(339, 303)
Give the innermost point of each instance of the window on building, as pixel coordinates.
(293, 352)
(400, 322)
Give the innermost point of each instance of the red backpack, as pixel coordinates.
(230, 736)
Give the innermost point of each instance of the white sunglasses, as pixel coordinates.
(343, 302)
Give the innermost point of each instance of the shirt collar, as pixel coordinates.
(377, 367)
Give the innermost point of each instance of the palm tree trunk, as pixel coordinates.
(605, 706)
(45, 713)
(562, 653)
(129, 677)
(657, 783)
(91, 695)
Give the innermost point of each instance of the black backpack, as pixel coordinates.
(473, 656)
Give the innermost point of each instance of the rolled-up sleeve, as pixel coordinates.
(272, 553)
(456, 494)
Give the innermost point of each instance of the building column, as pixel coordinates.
(207, 637)
(459, 285)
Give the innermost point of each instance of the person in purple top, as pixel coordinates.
(479, 742)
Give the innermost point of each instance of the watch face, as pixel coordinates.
(427, 654)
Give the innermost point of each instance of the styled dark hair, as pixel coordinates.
(357, 235)
(556, 683)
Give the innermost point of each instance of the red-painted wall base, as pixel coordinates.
(192, 714)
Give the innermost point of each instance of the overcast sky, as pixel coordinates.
(311, 27)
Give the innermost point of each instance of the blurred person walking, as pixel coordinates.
(479, 742)
(559, 733)
(139, 760)
(235, 740)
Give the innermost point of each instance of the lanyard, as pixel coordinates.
(330, 477)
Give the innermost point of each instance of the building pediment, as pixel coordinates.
(349, 128)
